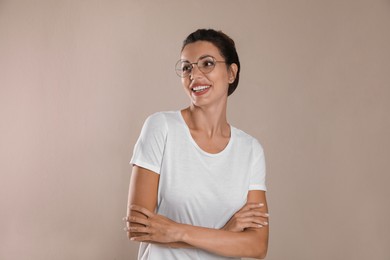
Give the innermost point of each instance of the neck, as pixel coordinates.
(211, 120)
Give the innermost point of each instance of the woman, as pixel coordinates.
(197, 189)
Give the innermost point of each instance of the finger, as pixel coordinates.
(134, 219)
(141, 238)
(131, 233)
(139, 229)
(252, 225)
(254, 220)
(252, 205)
(254, 213)
(142, 210)
(255, 205)
(248, 207)
(138, 220)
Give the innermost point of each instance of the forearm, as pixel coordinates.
(251, 242)
(142, 191)
(248, 243)
(174, 245)
(250, 216)
(160, 229)
(225, 243)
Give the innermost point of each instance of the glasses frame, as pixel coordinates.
(181, 75)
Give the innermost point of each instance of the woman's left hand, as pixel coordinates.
(250, 215)
(156, 228)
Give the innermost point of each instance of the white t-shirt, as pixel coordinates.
(196, 187)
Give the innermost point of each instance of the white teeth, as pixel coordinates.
(200, 88)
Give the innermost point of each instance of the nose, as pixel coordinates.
(195, 72)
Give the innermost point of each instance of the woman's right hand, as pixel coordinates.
(249, 216)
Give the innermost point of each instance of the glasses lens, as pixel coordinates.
(183, 68)
(206, 64)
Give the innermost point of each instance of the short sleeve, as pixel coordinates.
(149, 149)
(257, 177)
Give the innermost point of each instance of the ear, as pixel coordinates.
(233, 68)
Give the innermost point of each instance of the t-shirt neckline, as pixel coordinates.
(187, 129)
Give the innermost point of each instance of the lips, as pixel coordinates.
(200, 88)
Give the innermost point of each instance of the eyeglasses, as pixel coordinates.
(205, 64)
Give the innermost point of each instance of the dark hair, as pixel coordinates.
(226, 47)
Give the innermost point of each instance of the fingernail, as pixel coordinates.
(265, 223)
(260, 226)
(266, 214)
(261, 204)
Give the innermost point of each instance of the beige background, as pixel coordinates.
(78, 78)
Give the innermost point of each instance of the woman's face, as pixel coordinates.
(206, 88)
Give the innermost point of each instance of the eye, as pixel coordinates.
(207, 63)
(185, 66)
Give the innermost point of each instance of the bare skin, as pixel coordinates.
(246, 233)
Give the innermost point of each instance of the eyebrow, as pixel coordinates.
(201, 57)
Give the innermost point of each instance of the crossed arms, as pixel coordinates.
(245, 234)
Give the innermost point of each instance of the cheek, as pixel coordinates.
(185, 82)
(222, 74)
(221, 79)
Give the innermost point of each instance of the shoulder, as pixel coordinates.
(248, 140)
(161, 120)
(158, 118)
(162, 116)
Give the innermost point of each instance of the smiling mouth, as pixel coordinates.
(200, 88)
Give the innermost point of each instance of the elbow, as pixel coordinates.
(260, 253)
(259, 247)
